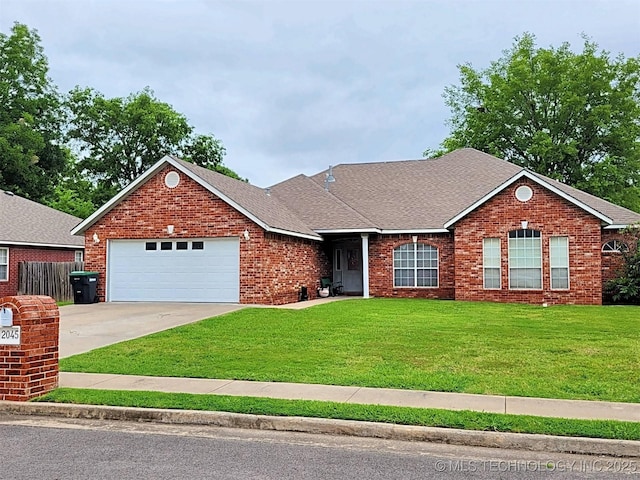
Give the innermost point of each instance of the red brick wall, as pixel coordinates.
(552, 216)
(272, 268)
(287, 264)
(30, 369)
(381, 266)
(31, 254)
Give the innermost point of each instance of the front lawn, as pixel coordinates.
(576, 352)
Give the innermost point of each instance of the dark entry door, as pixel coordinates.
(347, 266)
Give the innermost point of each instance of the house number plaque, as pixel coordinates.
(10, 335)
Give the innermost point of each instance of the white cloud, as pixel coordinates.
(291, 87)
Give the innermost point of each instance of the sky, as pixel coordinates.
(293, 87)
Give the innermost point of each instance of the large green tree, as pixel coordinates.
(31, 118)
(119, 138)
(572, 116)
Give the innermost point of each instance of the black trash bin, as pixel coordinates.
(85, 287)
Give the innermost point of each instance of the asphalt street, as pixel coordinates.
(56, 449)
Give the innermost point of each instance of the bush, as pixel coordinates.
(626, 287)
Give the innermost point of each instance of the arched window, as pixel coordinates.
(615, 246)
(525, 259)
(415, 265)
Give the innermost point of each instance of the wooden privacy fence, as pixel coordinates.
(47, 278)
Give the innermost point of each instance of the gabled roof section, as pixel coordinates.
(431, 195)
(25, 222)
(620, 216)
(543, 181)
(417, 195)
(265, 210)
(318, 208)
(254, 202)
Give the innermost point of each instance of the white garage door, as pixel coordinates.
(206, 270)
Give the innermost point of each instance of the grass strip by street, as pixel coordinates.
(467, 420)
(565, 352)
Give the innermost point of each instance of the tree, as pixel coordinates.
(572, 116)
(119, 138)
(626, 287)
(31, 117)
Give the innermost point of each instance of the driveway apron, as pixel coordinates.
(86, 327)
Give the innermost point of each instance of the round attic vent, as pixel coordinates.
(172, 179)
(524, 193)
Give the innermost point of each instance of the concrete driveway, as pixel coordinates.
(85, 327)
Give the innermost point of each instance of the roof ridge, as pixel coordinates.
(410, 160)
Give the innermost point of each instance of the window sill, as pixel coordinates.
(402, 288)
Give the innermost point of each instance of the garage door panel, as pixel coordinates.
(211, 274)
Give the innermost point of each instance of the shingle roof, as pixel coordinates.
(414, 194)
(25, 222)
(318, 208)
(410, 195)
(619, 215)
(267, 208)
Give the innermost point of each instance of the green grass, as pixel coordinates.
(574, 352)
(376, 413)
(62, 303)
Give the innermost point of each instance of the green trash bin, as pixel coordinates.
(85, 286)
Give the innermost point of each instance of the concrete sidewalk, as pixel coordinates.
(578, 409)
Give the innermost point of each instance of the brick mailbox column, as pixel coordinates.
(29, 369)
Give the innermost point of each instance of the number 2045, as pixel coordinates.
(9, 335)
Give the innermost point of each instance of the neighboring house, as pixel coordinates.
(31, 232)
(465, 226)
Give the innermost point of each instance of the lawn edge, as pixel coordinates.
(516, 441)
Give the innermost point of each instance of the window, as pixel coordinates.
(197, 245)
(491, 263)
(525, 259)
(559, 262)
(615, 246)
(166, 245)
(524, 193)
(182, 245)
(338, 255)
(4, 264)
(79, 256)
(151, 246)
(415, 265)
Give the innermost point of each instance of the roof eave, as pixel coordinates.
(413, 230)
(618, 226)
(43, 245)
(539, 181)
(327, 231)
(294, 234)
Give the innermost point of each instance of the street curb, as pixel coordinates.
(515, 441)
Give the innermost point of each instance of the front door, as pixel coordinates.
(347, 266)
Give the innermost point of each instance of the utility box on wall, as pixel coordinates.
(28, 346)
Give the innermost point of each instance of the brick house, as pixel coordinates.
(31, 232)
(465, 226)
